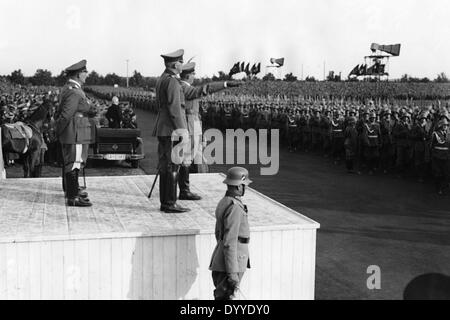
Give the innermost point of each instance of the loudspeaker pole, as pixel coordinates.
(127, 72)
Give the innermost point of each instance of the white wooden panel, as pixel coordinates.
(137, 270)
(169, 268)
(46, 271)
(287, 239)
(158, 258)
(252, 281)
(82, 263)
(147, 265)
(267, 266)
(94, 269)
(192, 266)
(297, 276)
(276, 264)
(204, 255)
(116, 269)
(306, 264)
(57, 262)
(128, 246)
(182, 275)
(3, 273)
(72, 276)
(105, 269)
(23, 270)
(11, 271)
(312, 283)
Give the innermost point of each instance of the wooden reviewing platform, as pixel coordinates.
(125, 248)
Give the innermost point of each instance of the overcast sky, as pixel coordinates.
(53, 34)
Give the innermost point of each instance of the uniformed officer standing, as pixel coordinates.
(74, 132)
(171, 120)
(194, 125)
(230, 258)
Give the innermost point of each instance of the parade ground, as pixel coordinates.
(395, 224)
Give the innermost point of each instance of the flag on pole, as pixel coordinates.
(355, 70)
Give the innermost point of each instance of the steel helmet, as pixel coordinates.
(237, 176)
(352, 120)
(442, 122)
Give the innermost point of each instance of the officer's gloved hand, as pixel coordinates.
(234, 83)
(233, 280)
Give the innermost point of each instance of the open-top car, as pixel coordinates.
(117, 144)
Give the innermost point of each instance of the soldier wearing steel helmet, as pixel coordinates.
(420, 140)
(230, 258)
(440, 144)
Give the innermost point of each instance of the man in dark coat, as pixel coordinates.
(74, 132)
(114, 114)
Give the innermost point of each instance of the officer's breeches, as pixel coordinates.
(74, 156)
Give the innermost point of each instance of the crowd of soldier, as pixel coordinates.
(361, 90)
(367, 136)
(371, 137)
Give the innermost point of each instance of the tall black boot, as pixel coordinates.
(171, 188)
(81, 193)
(162, 187)
(183, 182)
(73, 200)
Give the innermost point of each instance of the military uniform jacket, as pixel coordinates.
(420, 138)
(72, 124)
(371, 135)
(401, 133)
(171, 102)
(440, 145)
(230, 255)
(191, 100)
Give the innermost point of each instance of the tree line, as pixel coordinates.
(44, 77)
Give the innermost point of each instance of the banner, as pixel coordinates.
(2, 166)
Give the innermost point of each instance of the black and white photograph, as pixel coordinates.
(224, 150)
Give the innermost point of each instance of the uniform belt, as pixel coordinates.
(441, 148)
(373, 136)
(293, 126)
(243, 240)
(79, 115)
(337, 130)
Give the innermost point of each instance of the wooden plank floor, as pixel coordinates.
(34, 210)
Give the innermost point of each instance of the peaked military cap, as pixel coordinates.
(79, 66)
(173, 56)
(188, 67)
